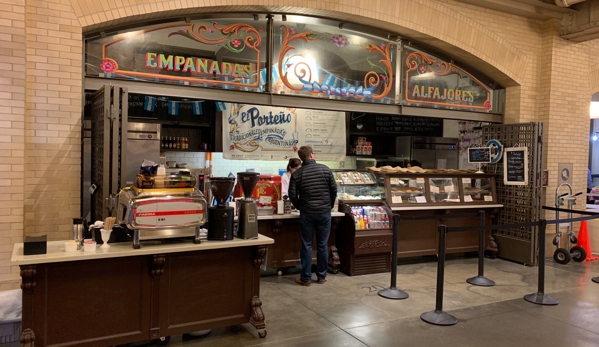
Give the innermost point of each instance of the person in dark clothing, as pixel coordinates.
(312, 190)
(413, 163)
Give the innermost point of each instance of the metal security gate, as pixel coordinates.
(520, 203)
(109, 119)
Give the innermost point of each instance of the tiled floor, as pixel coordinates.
(346, 311)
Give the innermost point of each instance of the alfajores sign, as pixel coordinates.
(429, 81)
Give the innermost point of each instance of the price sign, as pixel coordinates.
(434, 189)
(396, 199)
(467, 198)
(449, 188)
(421, 199)
(479, 155)
(488, 198)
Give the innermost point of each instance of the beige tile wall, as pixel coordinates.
(547, 79)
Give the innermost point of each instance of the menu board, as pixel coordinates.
(382, 123)
(479, 155)
(252, 132)
(515, 166)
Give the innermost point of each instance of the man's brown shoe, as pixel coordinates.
(302, 283)
(322, 281)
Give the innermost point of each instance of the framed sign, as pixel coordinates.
(515, 166)
(564, 173)
(479, 155)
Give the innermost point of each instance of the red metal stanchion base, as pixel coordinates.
(541, 299)
(439, 318)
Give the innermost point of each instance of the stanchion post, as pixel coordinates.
(540, 298)
(392, 292)
(438, 316)
(481, 280)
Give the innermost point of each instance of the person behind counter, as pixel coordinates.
(413, 163)
(292, 166)
(312, 191)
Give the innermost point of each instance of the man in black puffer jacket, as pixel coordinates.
(312, 191)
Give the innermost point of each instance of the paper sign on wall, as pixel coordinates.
(253, 132)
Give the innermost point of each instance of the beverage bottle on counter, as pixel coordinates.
(178, 143)
(182, 143)
(186, 143)
(170, 143)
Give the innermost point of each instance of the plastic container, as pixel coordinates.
(10, 330)
(70, 246)
(89, 246)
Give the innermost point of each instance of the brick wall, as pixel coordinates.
(547, 79)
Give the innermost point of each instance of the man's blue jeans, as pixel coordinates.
(321, 224)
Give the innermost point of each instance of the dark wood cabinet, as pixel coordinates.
(285, 252)
(106, 302)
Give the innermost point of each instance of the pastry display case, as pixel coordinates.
(424, 199)
(358, 185)
(437, 188)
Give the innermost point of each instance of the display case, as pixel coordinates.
(438, 188)
(425, 199)
(358, 185)
(365, 243)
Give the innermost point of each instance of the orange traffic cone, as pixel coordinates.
(584, 241)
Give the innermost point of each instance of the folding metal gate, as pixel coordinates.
(109, 120)
(520, 203)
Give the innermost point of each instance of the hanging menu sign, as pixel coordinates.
(382, 123)
(515, 166)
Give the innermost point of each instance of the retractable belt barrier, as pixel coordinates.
(438, 316)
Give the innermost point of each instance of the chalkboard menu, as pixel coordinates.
(401, 125)
(479, 155)
(515, 166)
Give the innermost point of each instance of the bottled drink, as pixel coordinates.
(170, 142)
(162, 141)
(186, 143)
(178, 143)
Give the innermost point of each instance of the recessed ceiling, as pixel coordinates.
(537, 9)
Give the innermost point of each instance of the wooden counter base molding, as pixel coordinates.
(113, 301)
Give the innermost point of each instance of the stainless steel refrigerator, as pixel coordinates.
(117, 150)
(428, 150)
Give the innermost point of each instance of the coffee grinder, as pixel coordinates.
(220, 217)
(247, 227)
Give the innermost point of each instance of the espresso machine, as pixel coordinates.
(247, 227)
(220, 217)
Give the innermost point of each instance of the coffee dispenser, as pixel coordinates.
(248, 213)
(220, 217)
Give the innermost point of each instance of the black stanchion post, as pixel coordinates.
(392, 292)
(540, 298)
(438, 316)
(481, 280)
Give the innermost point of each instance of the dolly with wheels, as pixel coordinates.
(577, 253)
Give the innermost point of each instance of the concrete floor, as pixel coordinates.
(346, 311)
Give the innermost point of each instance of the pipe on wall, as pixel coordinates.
(567, 3)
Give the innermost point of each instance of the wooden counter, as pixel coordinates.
(285, 252)
(125, 295)
(421, 237)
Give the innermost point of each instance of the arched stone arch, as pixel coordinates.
(427, 21)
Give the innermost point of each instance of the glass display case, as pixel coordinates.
(358, 185)
(443, 189)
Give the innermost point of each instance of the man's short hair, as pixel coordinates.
(304, 152)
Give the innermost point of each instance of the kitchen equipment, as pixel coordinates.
(428, 150)
(362, 163)
(248, 221)
(143, 142)
(220, 217)
(162, 206)
(77, 234)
